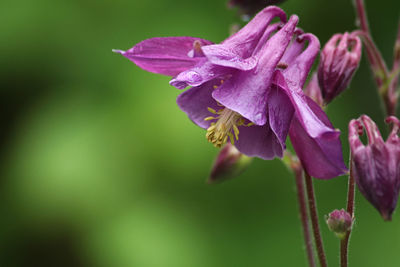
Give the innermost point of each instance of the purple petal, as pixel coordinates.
(372, 130)
(246, 92)
(196, 101)
(297, 72)
(164, 55)
(376, 178)
(225, 56)
(393, 138)
(259, 141)
(237, 50)
(314, 139)
(321, 156)
(376, 166)
(355, 130)
(268, 141)
(201, 73)
(293, 51)
(280, 113)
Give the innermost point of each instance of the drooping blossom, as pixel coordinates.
(250, 86)
(339, 222)
(376, 166)
(339, 60)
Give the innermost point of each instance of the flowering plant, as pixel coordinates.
(249, 93)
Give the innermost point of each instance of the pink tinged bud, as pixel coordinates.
(376, 166)
(228, 164)
(313, 91)
(339, 222)
(339, 60)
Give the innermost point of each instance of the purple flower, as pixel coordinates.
(339, 60)
(376, 166)
(250, 86)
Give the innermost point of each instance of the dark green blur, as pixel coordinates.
(99, 167)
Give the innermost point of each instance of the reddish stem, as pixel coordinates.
(375, 58)
(314, 220)
(344, 243)
(362, 15)
(396, 65)
(301, 197)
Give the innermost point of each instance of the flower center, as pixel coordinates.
(226, 125)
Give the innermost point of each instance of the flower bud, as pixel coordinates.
(376, 166)
(339, 60)
(339, 222)
(228, 164)
(313, 91)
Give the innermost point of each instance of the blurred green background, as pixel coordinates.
(99, 167)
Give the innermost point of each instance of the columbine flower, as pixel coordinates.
(376, 167)
(248, 90)
(339, 60)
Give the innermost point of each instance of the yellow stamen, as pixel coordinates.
(210, 118)
(231, 138)
(215, 86)
(211, 110)
(219, 131)
(236, 131)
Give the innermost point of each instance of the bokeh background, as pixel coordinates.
(99, 167)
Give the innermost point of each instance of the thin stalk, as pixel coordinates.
(301, 197)
(375, 58)
(386, 86)
(344, 243)
(396, 65)
(362, 15)
(314, 220)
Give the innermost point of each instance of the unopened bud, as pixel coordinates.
(376, 165)
(339, 222)
(228, 164)
(339, 60)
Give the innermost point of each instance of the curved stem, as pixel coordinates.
(386, 87)
(303, 215)
(396, 65)
(344, 243)
(375, 58)
(314, 220)
(362, 15)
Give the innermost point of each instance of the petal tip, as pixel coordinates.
(118, 51)
(178, 84)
